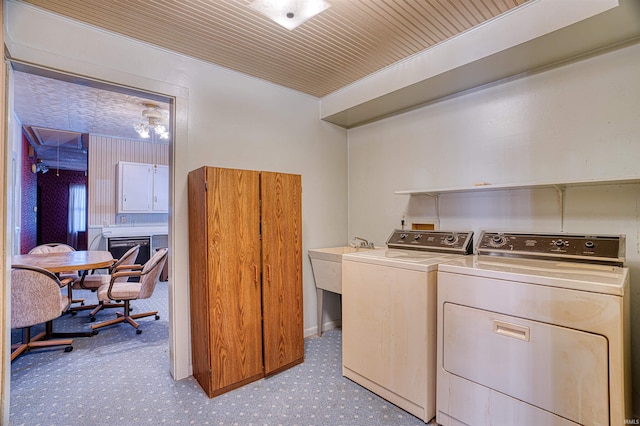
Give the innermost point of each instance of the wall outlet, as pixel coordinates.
(123, 219)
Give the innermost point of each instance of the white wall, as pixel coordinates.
(580, 121)
(222, 119)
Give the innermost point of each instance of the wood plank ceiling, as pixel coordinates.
(348, 41)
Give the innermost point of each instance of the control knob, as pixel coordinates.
(450, 240)
(589, 244)
(497, 241)
(559, 243)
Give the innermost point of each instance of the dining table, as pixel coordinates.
(81, 261)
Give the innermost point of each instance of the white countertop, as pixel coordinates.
(134, 231)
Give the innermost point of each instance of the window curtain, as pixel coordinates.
(77, 212)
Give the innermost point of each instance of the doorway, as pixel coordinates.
(104, 93)
(105, 123)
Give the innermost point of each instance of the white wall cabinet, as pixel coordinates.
(142, 188)
(160, 189)
(135, 181)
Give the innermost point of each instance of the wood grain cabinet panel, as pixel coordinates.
(283, 332)
(245, 260)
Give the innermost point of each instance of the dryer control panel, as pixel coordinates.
(439, 241)
(609, 249)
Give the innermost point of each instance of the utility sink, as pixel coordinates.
(327, 272)
(327, 266)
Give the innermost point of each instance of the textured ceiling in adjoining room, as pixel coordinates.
(55, 104)
(49, 109)
(348, 41)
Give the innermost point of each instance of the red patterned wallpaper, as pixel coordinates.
(53, 194)
(28, 230)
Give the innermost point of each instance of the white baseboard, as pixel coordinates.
(330, 325)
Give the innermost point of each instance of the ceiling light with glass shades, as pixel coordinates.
(151, 121)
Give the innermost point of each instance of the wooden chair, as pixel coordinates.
(94, 281)
(127, 291)
(57, 248)
(36, 299)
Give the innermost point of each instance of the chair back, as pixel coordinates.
(129, 258)
(151, 273)
(35, 296)
(51, 248)
(55, 248)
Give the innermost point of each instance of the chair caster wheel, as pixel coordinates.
(68, 349)
(94, 332)
(157, 317)
(74, 313)
(138, 331)
(92, 319)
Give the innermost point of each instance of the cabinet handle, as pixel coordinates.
(256, 277)
(268, 273)
(511, 330)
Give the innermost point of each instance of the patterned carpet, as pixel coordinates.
(120, 378)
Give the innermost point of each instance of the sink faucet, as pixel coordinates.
(358, 242)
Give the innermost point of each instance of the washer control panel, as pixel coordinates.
(442, 241)
(599, 248)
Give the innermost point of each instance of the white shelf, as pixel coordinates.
(495, 187)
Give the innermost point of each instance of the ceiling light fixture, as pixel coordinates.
(290, 13)
(151, 120)
(39, 167)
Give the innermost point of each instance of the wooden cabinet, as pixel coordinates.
(143, 188)
(245, 261)
(281, 222)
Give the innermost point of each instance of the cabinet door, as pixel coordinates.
(283, 334)
(233, 225)
(134, 187)
(160, 188)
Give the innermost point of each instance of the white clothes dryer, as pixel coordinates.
(534, 330)
(389, 316)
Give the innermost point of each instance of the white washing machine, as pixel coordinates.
(534, 330)
(389, 316)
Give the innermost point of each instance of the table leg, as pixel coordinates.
(50, 333)
(320, 296)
